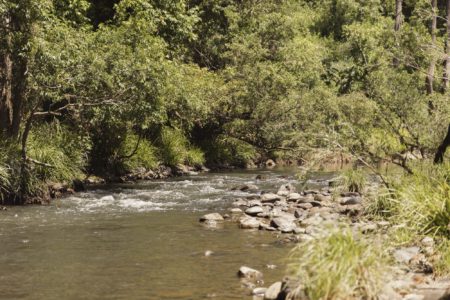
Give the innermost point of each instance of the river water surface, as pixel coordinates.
(137, 241)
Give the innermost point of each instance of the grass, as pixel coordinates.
(353, 180)
(144, 157)
(339, 266)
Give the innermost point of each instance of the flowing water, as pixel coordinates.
(137, 241)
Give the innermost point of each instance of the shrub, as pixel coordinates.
(353, 180)
(145, 155)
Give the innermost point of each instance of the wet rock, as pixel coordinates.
(269, 197)
(3, 208)
(211, 217)
(283, 224)
(351, 201)
(273, 291)
(254, 211)
(261, 177)
(78, 185)
(259, 291)
(245, 188)
(249, 223)
(404, 255)
(263, 226)
(249, 273)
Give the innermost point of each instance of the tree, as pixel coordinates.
(398, 24)
(432, 66)
(445, 80)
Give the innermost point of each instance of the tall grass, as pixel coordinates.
(353, 180)
(339, 266)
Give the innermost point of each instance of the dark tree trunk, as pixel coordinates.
(432, 67)
(445, 82)
(398, 25)
(439, 156)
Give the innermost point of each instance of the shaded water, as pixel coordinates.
(140, 241)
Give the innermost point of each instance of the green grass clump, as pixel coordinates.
(174, 149)
(353, 180)
(144, 156)
(339, 266)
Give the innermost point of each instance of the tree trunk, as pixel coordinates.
(432, 67)
(6, 77)
(445, 82)
(397, 26)
(13, 71)
(439, 156)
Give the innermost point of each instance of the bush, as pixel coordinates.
(145, 156)
(339, 266)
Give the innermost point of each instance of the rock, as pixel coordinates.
(259, 291)
(226, 216)
(270, 163)
(212, 217)
(236, 210)
(273, 291)
(245, 187)
(305, 199)
(208, 253)
(251, 203)
(351, 201)
(3, 208)
(239, 202)
(427, 241)
(261, 177)
(78, 185)
(210, 223)
(263, 226)
(286, 189)
(305, 206)
(294, 197)
(253, 211)
(283, 224)
(300, 214)
(367, 228)
(299, 230)
(404, 255)
(269, 197)
(249, 273)
(320, 198)
(414, 297)
(350, 194)
(249, 223)
(272, 267)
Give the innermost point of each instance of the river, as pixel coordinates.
(138, 241)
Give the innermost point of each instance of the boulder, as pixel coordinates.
(254, 210)
(273, 291)
(249, 273)
(249, 223)
(283, 224)
(212, 217)
(269, 197)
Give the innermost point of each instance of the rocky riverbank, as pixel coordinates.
(301, 216)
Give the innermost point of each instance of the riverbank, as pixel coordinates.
(313, 218)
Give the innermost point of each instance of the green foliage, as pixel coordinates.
(339, 266)
(138, 153)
